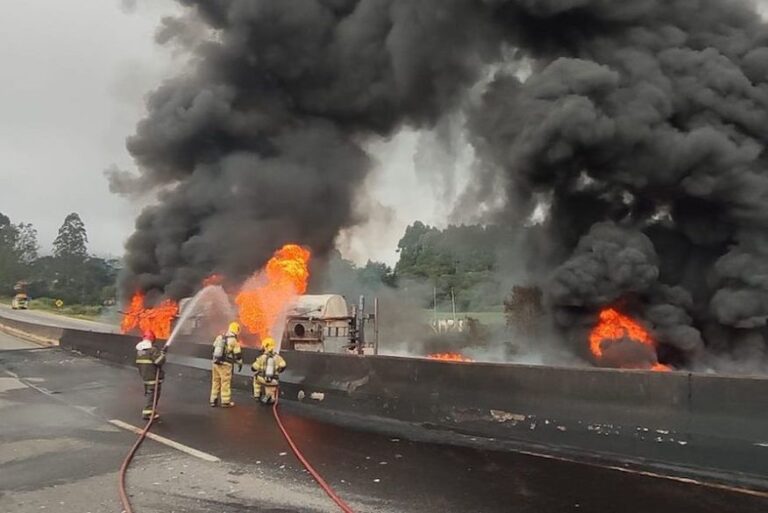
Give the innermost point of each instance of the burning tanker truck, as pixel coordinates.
(318, 323)
(271, 303)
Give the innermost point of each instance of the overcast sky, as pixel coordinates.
(73, 77)
(74, 74)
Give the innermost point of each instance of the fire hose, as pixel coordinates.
(129, 457)
(314, 473)
(296, 451)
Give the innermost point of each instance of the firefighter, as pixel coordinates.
(226, 353)
(149, 360)
(267, 367)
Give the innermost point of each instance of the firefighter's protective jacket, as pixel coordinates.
(260, 365)
(148, 360)
(232, 351)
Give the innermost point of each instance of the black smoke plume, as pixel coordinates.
(641, 128)
(644, 125)
(260, 143)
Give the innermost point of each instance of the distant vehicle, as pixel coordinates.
(20, 302)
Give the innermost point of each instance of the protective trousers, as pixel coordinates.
(270, 388)
(221, 382)
(149, 394)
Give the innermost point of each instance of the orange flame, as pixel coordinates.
(158, 318)
(266, 295)
(614, 326)
(449, 357)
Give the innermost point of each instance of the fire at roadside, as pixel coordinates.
(449, 357)
(619, 341)
(261, 300)
(138, 317)
(272, 303)
(264, 298)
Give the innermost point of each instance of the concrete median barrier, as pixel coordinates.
(36, 333)
(685, 420)
(678, 418)
(675, 418)
(107, 346)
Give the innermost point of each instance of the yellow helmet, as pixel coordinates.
(268, 344)
(234, 328)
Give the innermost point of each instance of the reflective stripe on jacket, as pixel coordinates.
(148, 361)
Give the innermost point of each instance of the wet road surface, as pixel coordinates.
(51, 394)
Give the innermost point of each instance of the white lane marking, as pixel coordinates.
(26, 383)
(167, 441)
(8, 384)
(209, 457)
(118, 423)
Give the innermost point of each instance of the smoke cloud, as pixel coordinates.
(644, 126)
(260, 142)
(641, 127)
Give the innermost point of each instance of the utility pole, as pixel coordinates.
(434, 304)
(376, 325)
(453, 303)
(361, 325)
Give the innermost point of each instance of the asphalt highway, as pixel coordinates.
(59, 452)
(51, 319)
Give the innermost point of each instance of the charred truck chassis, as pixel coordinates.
(317, 323)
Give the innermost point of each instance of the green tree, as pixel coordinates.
(70, 273)
(9, 258)
(462, 259)
(18, 249)
(341, 276)
(98, 279)
(416, 255)
(26, 243)
(72, 240)
(375, 274)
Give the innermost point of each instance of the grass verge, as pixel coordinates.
(46, 304)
